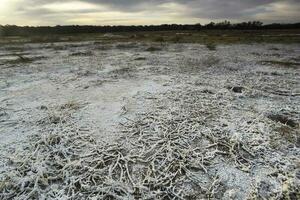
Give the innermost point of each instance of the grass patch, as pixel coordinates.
(153, 49)
(159, 39)
(274, 49)
(45, 39)
(288, 134)
(140, 58)
(70, 105)
(20, 60)
(211, 46)
(285, 64)
(126, 46)
(283, 119)
(87, 53)
(176, 39)
(202, 37)
(122, 70)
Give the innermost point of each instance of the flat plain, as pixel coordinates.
(151, 116)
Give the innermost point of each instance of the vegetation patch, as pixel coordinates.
(70, 105)
(152, 48)
(289, 134)
(285, 64)
(236, 89)
(22, 60)
(140, 58)
(211, 46)
(274, 49)
(124, 72)
(127, 45)
(284, 119)
(176, 38)
(160, 156)
(159, 39)
(85, 53)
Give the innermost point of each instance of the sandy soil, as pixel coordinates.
(239, 92)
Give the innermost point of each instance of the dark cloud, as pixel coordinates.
(202, 9)
(211, 9)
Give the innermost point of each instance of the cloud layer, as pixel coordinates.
(103, 12)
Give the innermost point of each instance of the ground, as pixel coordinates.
(149, 120)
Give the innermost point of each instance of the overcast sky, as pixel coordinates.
(127, 12)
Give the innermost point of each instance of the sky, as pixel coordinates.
(144, 12)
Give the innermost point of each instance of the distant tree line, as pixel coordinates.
(12, 30)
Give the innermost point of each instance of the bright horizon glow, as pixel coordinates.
(5, 7)
(70, 6)
(142, 12)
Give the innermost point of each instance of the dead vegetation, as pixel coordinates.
(161, 155)
(286, 133)
(284, 118)
(71, 105)
(176, 150)
(124, 72)
(59, 114)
